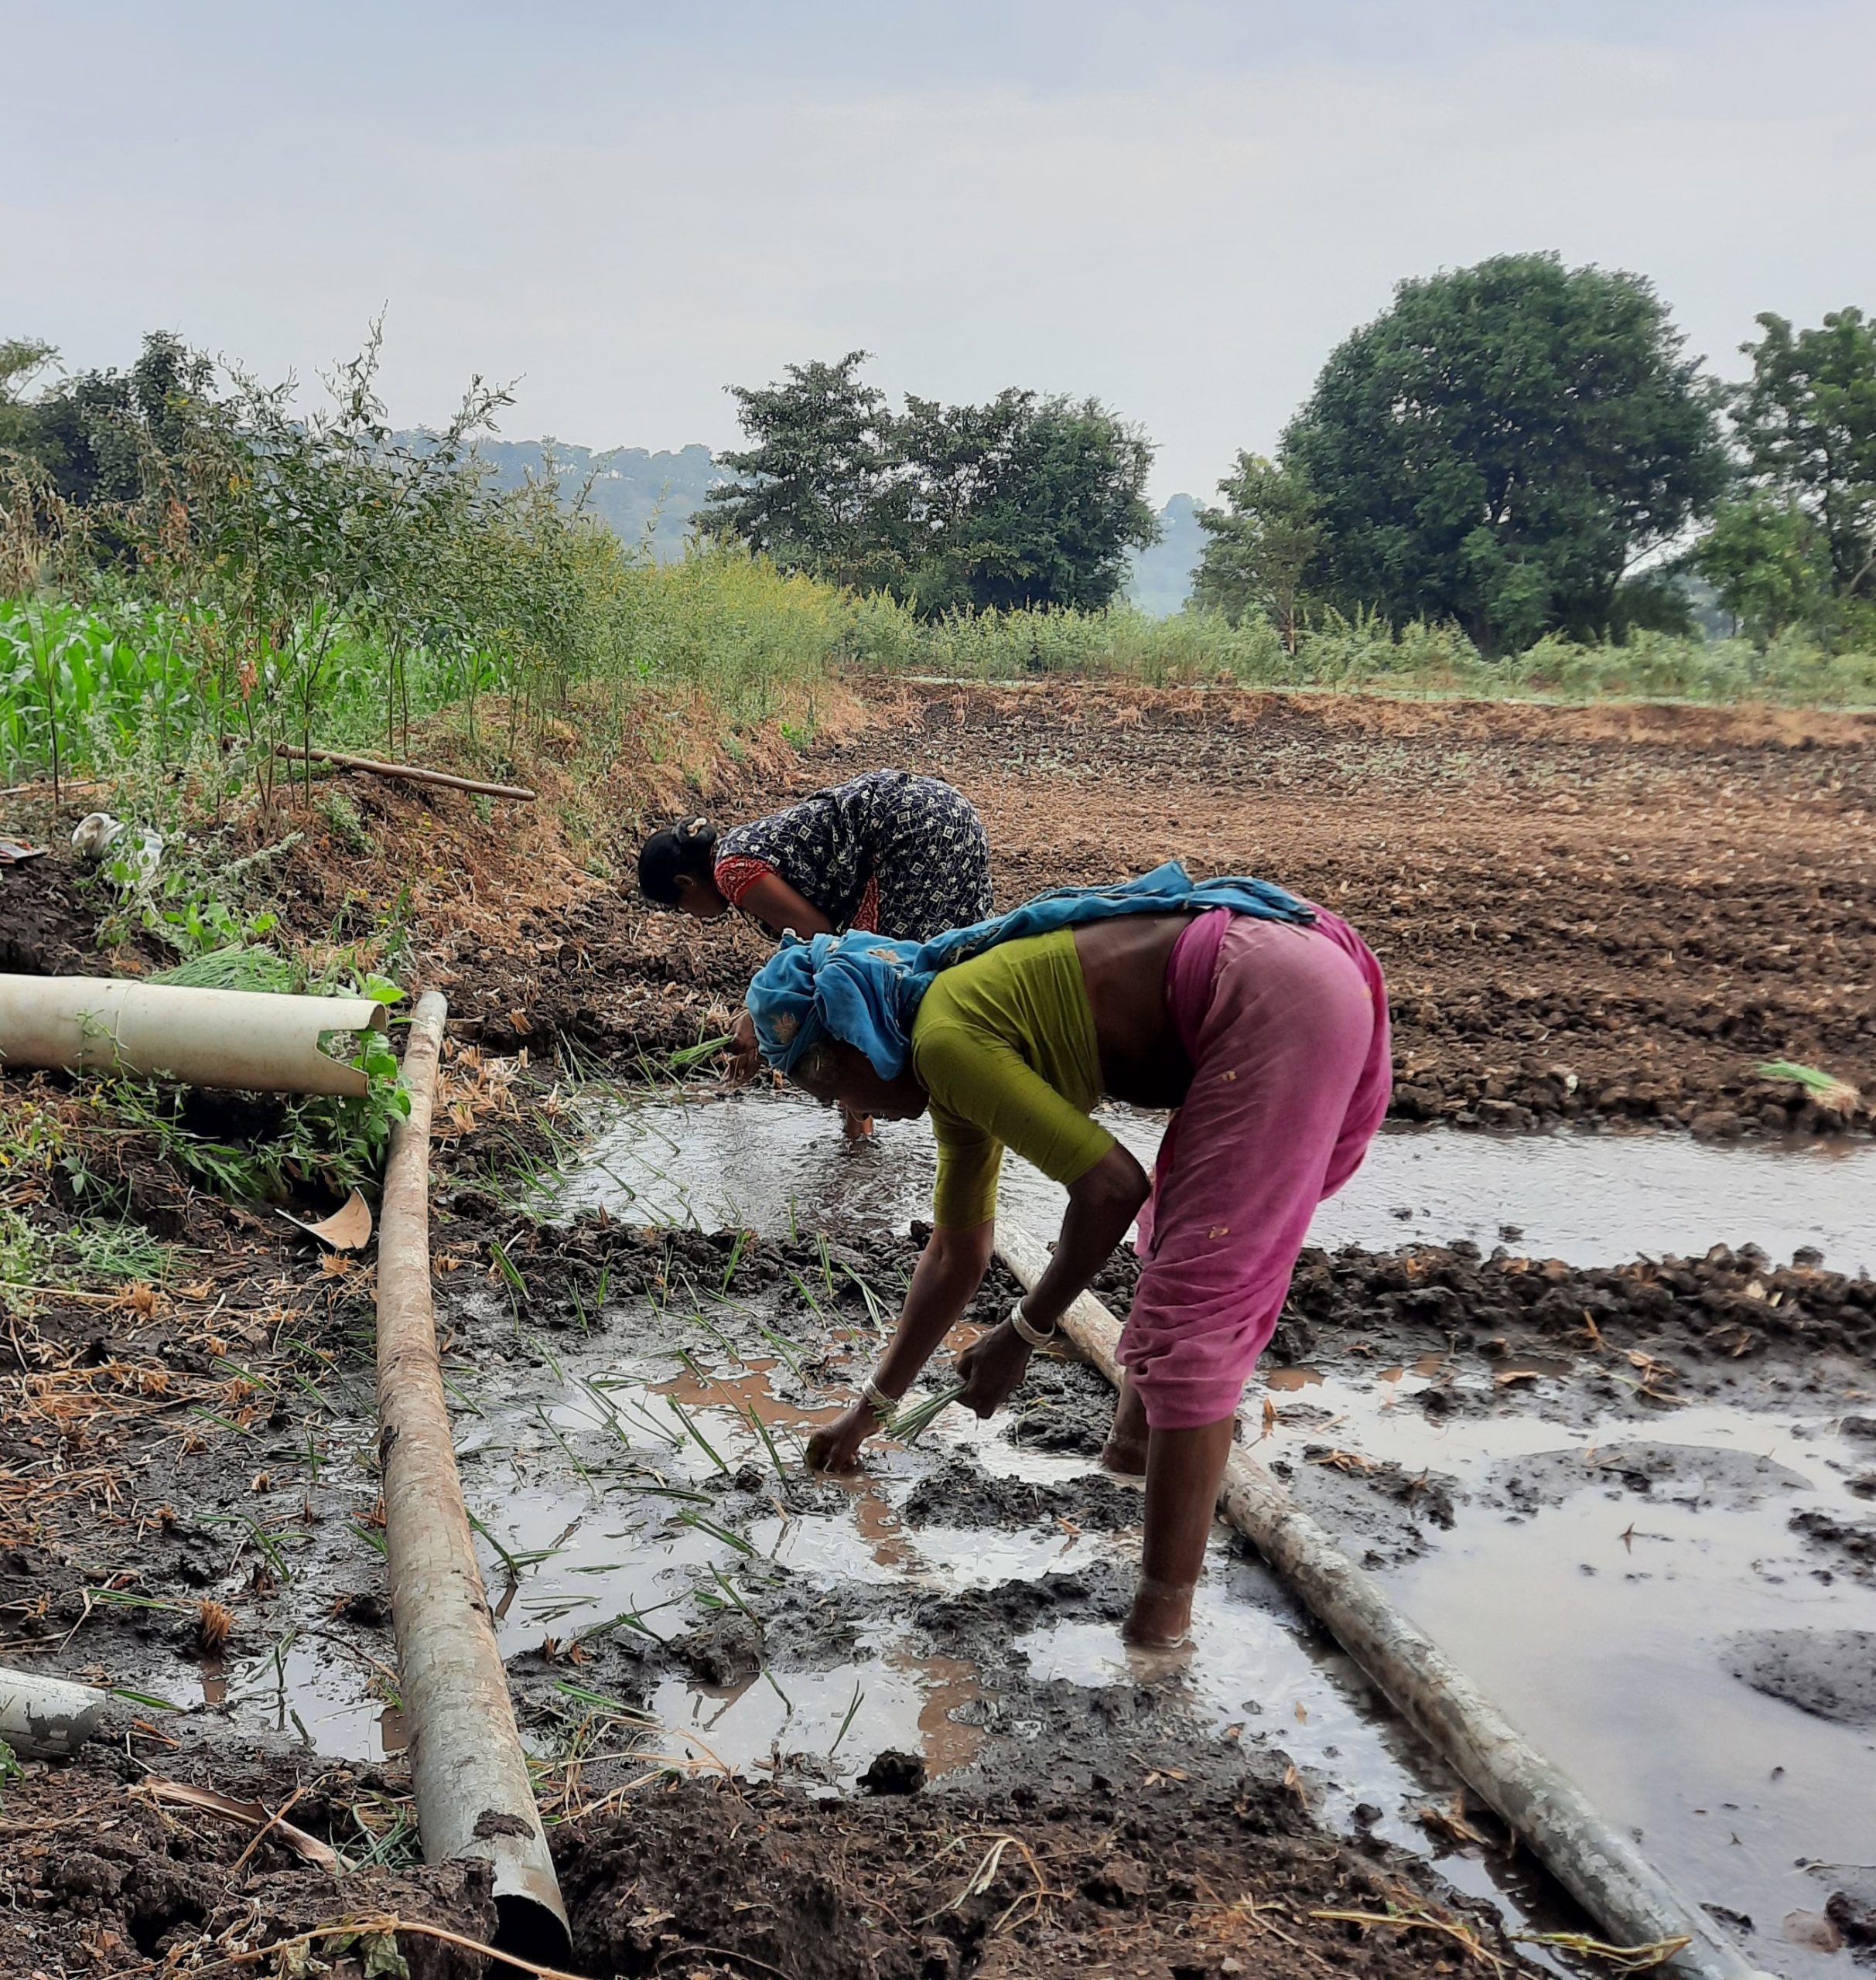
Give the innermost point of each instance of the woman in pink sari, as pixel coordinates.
(1261, 1020)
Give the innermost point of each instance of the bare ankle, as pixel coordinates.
(1162, 1613)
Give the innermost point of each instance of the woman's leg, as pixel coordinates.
(1184, 1469)
(1126, 1448)
(1279, 1094)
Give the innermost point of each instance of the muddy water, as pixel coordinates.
(763, 1160)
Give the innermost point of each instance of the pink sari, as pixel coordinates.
(1287, 1028)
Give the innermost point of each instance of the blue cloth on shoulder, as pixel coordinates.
(865, 991)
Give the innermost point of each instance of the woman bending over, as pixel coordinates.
(1261, 1020)
(889, 852)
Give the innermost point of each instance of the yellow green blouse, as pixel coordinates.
(1005, 1045)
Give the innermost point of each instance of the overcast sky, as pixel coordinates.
(1178, 206)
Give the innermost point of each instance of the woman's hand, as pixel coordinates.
(744, 1055)
(993, 1366)
(835, 1446)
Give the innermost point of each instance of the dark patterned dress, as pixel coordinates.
(891, 853)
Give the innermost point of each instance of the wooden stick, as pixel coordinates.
(405, 772)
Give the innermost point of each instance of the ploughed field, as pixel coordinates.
(884, 1726)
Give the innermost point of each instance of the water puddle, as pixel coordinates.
(775, 1161)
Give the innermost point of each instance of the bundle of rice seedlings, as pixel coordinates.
(687, 1056)
(907, 1425)
(241, 966)
(1837, 1096)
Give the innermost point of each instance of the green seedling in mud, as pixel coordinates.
(1838, 1096)
(10, 1769)
(375, 1540)
(800, 1286)
(393, 1848)
(827, 1266)
(846, 1723)
(875, 1313)
(268, 1543)
(906, 1426)
(688, 1056)
(517, 1565)
(736, 1258)
(566, 1449)
(716, 1532)
(732, 1595)
(147, 1700)
(517, 1285)
(697, 1436)
(612, 1708)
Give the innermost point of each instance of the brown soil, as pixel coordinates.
(1136, 1880)
(1600, 913)
(101, 1878)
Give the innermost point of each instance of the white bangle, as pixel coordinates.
(877, 1399)
(1036, 1336)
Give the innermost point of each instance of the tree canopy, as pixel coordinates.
(1503, 447)
(1025, 500)
(1798, 543)
(1260, 547)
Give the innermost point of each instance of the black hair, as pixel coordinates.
(686, 848)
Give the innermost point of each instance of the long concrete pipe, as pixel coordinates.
(474, 1796)
(1596, 1863)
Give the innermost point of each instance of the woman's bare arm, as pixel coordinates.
(949, 1271)
(776, 904)
(1102, 1205)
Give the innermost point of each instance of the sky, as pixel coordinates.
(1178, 208)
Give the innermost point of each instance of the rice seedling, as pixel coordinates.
(736, 1257)
(846, 1723)
(907, 1425)
(147, 1700)
(514, 1564)
(268, 1543)
(716, 1532)
(696, 1435)
(612, 1707)
(1838, 1095)
(688, 1056)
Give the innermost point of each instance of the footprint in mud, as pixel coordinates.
(1688, 1474)
(1830, 1673)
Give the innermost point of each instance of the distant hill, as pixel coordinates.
(633, 491)
(629, 490)
(1159, 580)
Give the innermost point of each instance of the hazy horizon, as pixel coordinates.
(1179, 210)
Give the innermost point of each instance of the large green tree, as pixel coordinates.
(1806, 421)
(816, 481)
(1260, 546)
(1025, 500)
(1504, 447)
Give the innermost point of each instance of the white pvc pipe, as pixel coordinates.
(247, 1039)
(47, 1718)
(1594, 1861)
(473, 1793)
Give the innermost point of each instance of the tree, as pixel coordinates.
(1260, 546)
(1764, 558)
(1026, 501)
(814, 486)
(1807, 422)
(100, 436)
(1503, 447)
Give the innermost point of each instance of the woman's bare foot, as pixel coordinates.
(1161, 1615)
